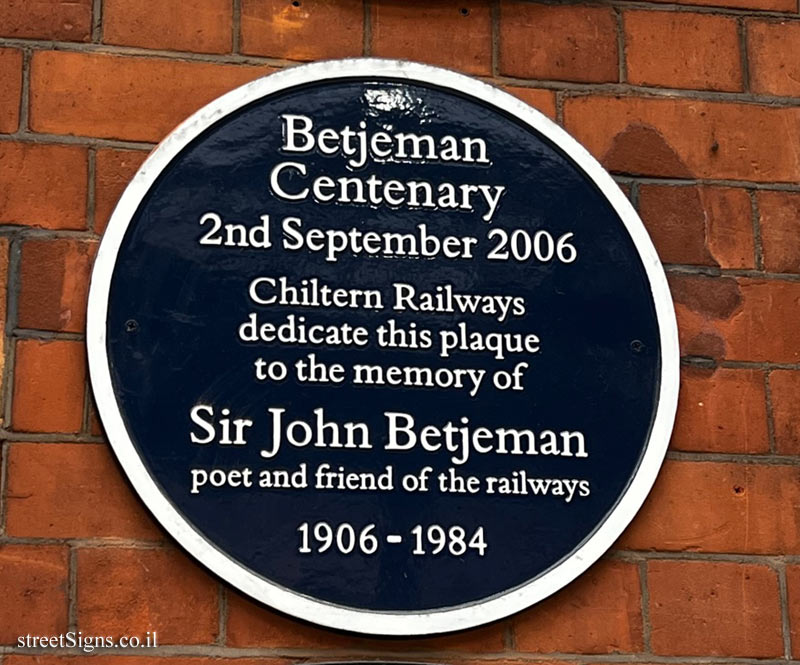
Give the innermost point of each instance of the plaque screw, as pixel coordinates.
(131, 325)
(464, 11)
(637, 346)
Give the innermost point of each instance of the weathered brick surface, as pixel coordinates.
(43, 185)
(95, 426)
(714, 608)
(34, 583)
(688, 138)
(722, 411)
(720, 507)
(96, 658)
(598, 613)
(4, 258)
(302, 30)
(54, 283)
(710, 226)
(11, 85)
(75, 490)
(793, 593)
(699, 51)
(785, 390)
(437, 32)
(249, 625)
(541, 100)
(772, 49)
(133, 98)
(123, 591)
(561, 42)
(774, 5)
(63, 20)
(779, 216)
(737, 318)
(113, 171)
(201, 26)
(49, 382)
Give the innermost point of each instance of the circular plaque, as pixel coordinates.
(383, 347)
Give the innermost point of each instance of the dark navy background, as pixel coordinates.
(189, 300)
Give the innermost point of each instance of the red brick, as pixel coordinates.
(713, 608)
(95, 659)
(114, 169)
(49, 381)
(95, 426)
(302, 29)
(737, 318)
(721, 411)
(778, 5)
(4, 256)
(779, 217)
(717, 507)
(437, 32)
(513, 659)
(698, 51)
(793, 593)
(63, 20)
(34, 583)
(11, 85)
(135, 98)
(132, 591)
(252, 625)
(43, 185)
(72, 490)
(784, 387)
(688, 138)
(200, 26)
(541, 100)
(699, 225)
(598, 613)
(54, 284)
(772, 50)
(559, 42)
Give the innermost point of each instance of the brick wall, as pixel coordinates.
(694, 107)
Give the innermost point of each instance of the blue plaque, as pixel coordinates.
(383, 347)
